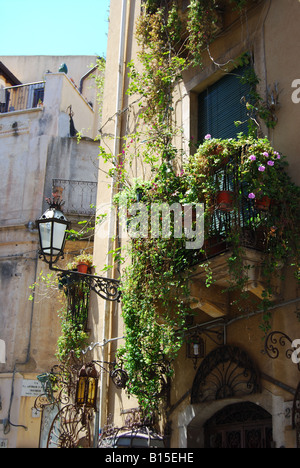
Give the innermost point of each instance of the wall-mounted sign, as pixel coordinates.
(31, 388)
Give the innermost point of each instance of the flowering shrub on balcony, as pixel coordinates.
(253, 170)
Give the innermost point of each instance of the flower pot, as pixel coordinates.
(263, 203)
(82, 267)
(225, 201)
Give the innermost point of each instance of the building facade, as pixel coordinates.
(233, 393)
(41, 112)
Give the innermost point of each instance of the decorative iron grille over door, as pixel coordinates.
(241, 425)
(226, 372)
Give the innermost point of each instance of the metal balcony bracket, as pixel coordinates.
(106, 288)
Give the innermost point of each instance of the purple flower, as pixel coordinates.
(252, 157)
(266, 154)
(270, 163)
(207, 137)
(261, 168)
(277, 154)
(251, 195)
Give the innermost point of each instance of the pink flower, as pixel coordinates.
(252, 157)
(277, 154)
(270, 163)
(266, 154)
(207, 137)
(261, 168)
(251, 196)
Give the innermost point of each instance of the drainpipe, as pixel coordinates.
(117, 134)
(86, 75)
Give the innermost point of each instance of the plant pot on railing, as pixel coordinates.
(225, 201)
(263, 203)
(83, 262)
(83, 267)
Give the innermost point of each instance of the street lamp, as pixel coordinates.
(52, 228)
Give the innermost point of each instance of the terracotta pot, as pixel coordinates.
(225, 200)
(82, 267)
(263, 203)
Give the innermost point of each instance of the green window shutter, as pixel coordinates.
(220, 106)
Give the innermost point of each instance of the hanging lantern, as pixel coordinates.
(52, 227)
(195, 348)
(87, 386)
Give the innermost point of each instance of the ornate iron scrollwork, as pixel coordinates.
(194, 337)
(275, 339)
(71, 425)
(106, 288)
(137, 428)
(225, 372)
(59, 385)
(70, 428)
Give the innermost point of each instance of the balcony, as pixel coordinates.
(79, 196)
(22, 97)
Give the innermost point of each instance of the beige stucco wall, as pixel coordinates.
(270, 32)
(30, 68)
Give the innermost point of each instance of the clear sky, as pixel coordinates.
(54, 27)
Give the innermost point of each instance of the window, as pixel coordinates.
(221, 104)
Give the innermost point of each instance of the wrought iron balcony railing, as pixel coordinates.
(22, 97)
(79, 196)
(228, 216)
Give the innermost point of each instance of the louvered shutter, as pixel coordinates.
(221, 105)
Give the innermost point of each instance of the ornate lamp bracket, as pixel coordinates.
(52, 227)
(196, 345)
(106, 288)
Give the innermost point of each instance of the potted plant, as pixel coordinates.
(263, 203)
(225, 200)
(84, 262)
(261, 171)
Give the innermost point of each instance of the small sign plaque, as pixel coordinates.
(3, 443)
(31, 388)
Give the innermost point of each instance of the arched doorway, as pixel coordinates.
(240, 425)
